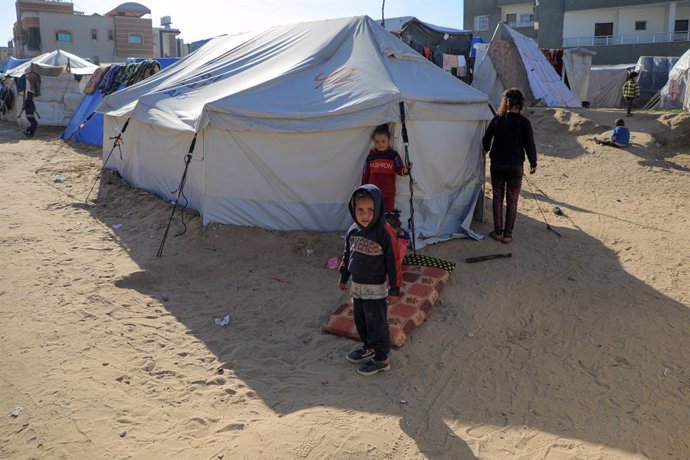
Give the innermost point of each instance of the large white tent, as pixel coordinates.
(283, 119)
(63, 78)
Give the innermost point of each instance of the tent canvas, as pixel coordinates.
(606, 85)
(282, 120)
(675, 94)
(516, 61)
(443, 39)
(653, 72)
(60, 94)
(11, 63)
(577, 64)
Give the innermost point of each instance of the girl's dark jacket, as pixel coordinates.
(368, 257)
(508, 139)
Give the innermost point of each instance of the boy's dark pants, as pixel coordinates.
(506, 180)
(33, 124)
(371, 321)
(629, 100)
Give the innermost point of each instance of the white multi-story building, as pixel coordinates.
(618, 30)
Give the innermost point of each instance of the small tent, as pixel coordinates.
(514, 60)
(446, 47)
(606, 85)
(62, 79)
(280, 124)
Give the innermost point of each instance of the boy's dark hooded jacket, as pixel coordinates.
(368, 255)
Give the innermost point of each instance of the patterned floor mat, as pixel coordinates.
(422, 286)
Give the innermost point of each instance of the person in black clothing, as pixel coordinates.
(29, 109)
(369, 259)
(508, 138)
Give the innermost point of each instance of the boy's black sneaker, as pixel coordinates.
(373, 367)
(360, 355)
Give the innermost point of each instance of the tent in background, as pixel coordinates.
(577, 63)
(675, 94)
(653, 72)
(86, 125)
(63, 77)
(514, 60)
(11, 63)
(437, 40)
(282, 121)
(606, 85)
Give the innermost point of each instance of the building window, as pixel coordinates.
(602, 32)
(94, 34)
(63, 36)
(603, 29)
(527, 19)
(640, 25)
(136, 39)
(681, 25)
(481, 23)
(111, 36)
(511, 19)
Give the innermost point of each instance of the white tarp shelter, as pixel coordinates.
(606, 85)
(283, 119)
(63, 78)
(577, 64)
(514, 60)
(676, 92)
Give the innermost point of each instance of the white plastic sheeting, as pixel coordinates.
(606, 85)
(577, 63)
(77, 65)
(284, 119)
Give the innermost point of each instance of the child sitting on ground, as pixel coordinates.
(620, 137)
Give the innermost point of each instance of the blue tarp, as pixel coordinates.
(11, 63)
(91, 131)
(164, 62)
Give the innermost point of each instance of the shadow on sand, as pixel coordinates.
(567, 360)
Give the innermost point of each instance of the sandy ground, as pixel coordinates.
(577, 347)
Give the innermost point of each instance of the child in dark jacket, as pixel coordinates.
(369, 260)
(29, 109)
(382, 165)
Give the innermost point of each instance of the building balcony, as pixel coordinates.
(631, 39)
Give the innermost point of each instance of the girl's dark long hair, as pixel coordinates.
(512, 97)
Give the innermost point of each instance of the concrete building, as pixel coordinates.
(47, 25)
(166, 44)
(618, 30)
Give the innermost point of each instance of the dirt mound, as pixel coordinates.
(675, 132)
(575, 122)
